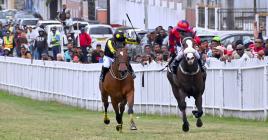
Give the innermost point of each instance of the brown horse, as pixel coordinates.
(189, 81)
(119, 85)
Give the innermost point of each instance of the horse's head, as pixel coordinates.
(189, 50)
(121, 60)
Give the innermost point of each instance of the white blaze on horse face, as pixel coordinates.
(190, 58)
(122, 53)
(189, 43)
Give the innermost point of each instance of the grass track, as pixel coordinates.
(25, 119)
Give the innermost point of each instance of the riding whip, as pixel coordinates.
(132, 26)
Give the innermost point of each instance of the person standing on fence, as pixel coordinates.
(40, 44)
(55, 42)
(85, 43)
(62, 14)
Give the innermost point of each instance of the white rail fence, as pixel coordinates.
(237, 89)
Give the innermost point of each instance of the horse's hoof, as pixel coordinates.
(199, 123)
(107, 121)
(119, 127)
(133, 126)
(185, 127)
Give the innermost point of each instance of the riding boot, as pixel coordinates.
(131, 71)
(203, 69)
(202, 65)
(175, 65)
(103, 73)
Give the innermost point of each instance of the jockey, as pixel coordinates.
(110, 48)
(175, 38)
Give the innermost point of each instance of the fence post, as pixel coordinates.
(265, 100)
(216, 19)
(196, 16)
(222, 79)
(206, 17)
(240, 90)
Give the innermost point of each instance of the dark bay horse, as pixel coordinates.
(189, 81)
(119, 85)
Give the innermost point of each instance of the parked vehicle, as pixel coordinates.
(30, 22)
(47, 22)
(99, 33)
(140, 32)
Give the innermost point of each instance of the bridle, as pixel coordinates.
(116, 60)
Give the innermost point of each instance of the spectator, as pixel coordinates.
(68, 55)
(266, 48)
(159, 58)
(247, 43)
(257, 48)
(9, 41)
(203, 49)
(7, 52)
(160, 37)
(147, 59)
(62, 14)
(76, 59)
(166, 39)
(217, 53)
(216, 41)
(1, 30)
(147, 49)
(240, 53)
(69, 29)
(156, 48)
(31, 37)
(40, 44)
(96, 54)
(20, 39)
(138, 59)
(25, 53)
(85, 42)
(78, 53)
(44, 56)
(1, 51)
(60, 57)
(165, 53)
(55, 42)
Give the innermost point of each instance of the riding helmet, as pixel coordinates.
(183, 25)
(119, 36)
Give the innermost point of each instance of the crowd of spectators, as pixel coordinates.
(154, 47)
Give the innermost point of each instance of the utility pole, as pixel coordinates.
(146, 13)
(255, 6)
(108, 12)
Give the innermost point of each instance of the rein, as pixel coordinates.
(113, 74)
(189, 73)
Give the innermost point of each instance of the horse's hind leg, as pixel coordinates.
(130, 100)
(118, 115)
(199, 112)
(106, 105)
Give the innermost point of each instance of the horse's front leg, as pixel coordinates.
(118, 115)
(130, 100)
(199, 112)
(106, 105)
(182, 106)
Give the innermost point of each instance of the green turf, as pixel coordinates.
(25, 119)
